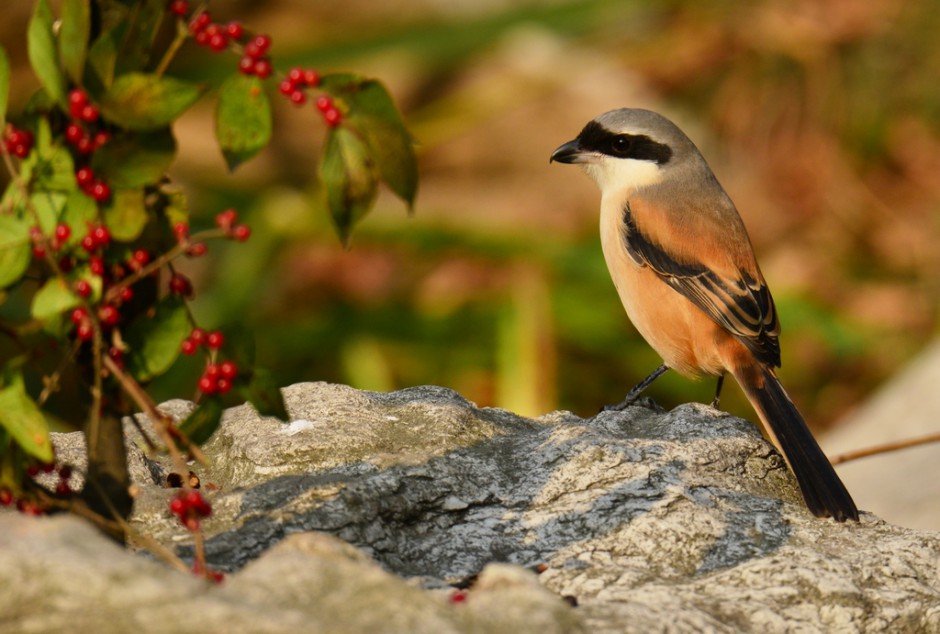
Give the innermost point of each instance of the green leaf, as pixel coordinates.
(349, 178)
(135, 160)
(154, 340)
(143, 101)
(239, 345)
(15, 249)
(79, 212)
(73, 37)
(55, 170)
(374, 115)
(4, 86)
(43, 56)
(242, 119)
(203, 421)
(22, 418)
(126, 214)
(48, 207)
(102, 55)
(262, 392)
(54, 298)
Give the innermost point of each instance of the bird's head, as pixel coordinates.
(627, 148)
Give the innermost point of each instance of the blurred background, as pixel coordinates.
(821, 119)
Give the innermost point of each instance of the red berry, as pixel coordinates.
(100, 191)
(234, 30)
(311, 78)
(212, 371)
(47, 467)
(298, 97)
(101, 235)
(179, 7)
(262, 43)
(73, 133)
(202, 38)
(263, 68)
(126, 294)
(6, 497)
(180, 285)
(85, 145)
(215, 339)
(198, 335)
(246, 65)
(181, 231)
(287, 87)
(459, 596)
(109, 315)
(191, 523)
(89, 114)
(39, 251)
(101, 138)
(324, 103)
(32, 470)
(228, 370)
(188, 347)
(85, 331)
(200, 22)
(333, 117)
(65, 472)
(96, 264)
(199, 504)
(21, 150)
(63, 231)
(139, 259)
(84, 176)
(241, 232)
(218, 42)
(197, 250)
(63, 488)
(78, 99)
(89, 244)
(178, 506)
(206, 385)
(79, 315)
(223, 385)
(225, 219)
(295, 75)
(83, 288)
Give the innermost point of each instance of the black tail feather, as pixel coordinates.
(822, 489)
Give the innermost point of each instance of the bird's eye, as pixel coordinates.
(621, 145)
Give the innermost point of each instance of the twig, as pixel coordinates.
(885, 448)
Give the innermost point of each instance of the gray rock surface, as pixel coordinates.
(681, 521)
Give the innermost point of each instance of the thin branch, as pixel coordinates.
(885, 448)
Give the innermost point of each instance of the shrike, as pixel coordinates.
(685, 271)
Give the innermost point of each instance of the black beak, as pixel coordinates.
(570, 152)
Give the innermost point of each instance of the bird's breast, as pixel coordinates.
(679, 332)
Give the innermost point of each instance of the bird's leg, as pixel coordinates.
(634, 394)
(721, 380)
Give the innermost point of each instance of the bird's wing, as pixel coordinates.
(729, 289)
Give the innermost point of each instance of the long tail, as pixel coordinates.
(822, 489)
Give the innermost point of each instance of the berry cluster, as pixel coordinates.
(86, 137)
(190, 507)
(18, 142)
(255, 61)
(59, 236)
(217, 378)
(227, 221)
(294, 86)
(33, 469)
(214, 36)
(199, 337)
(296, 81)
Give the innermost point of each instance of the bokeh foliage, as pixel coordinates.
(821, 119)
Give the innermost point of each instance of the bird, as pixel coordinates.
(683, 265)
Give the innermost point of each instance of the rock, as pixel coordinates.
(356, 516)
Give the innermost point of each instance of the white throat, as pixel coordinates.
(614, 175)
